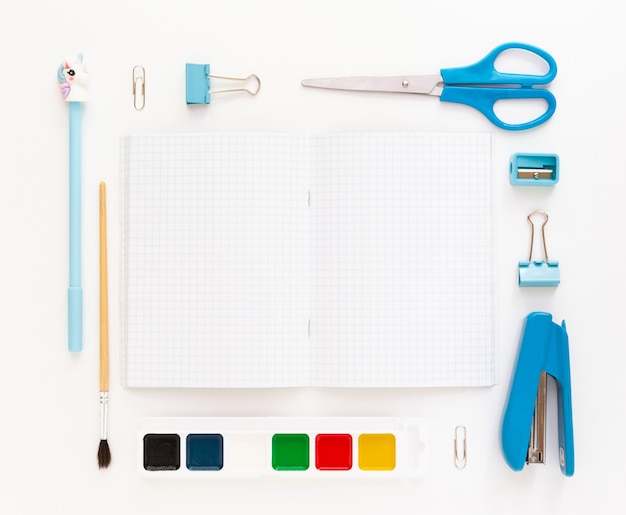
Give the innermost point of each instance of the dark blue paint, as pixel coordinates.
(205, 452)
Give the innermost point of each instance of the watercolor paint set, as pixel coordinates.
(282, 446)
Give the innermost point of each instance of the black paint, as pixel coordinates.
(161, 452)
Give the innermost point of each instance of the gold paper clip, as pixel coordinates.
(139, 82)
(460, 447)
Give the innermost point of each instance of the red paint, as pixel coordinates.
(333, 452)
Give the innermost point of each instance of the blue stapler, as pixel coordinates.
(544, 351)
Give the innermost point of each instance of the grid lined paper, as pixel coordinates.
(402, 260)
(215, 260)
(271, 260)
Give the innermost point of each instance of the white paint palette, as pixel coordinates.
(282, 446)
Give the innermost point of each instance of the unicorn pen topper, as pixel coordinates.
(72, 78)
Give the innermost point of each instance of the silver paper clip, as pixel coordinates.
(139, 87)
(460, 447)
(198, 83)
(538, 272)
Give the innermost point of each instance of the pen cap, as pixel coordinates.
(75, 310)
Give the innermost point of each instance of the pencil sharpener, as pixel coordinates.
(534, 169)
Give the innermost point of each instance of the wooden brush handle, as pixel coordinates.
(104, 295)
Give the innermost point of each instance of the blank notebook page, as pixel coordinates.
(215, 260)
(271, 260)
(402, 260)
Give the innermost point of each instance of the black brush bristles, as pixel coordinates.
(104, 454)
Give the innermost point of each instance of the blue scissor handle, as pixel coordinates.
(461, 85)
(484, 71)
(484, 100)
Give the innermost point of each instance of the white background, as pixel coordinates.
(49, 425)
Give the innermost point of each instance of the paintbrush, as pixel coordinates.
(104, 453)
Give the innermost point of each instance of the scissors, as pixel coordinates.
(479, 85)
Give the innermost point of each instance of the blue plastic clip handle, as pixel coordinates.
(544, 347)
(539, 273)
(197, 83)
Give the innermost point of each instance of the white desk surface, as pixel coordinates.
(50, 427)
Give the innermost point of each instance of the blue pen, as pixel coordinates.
(72, 78)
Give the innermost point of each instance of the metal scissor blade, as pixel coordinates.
(420, 84)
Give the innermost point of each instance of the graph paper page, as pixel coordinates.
(234, 245)
(401, 260)
(215, 260)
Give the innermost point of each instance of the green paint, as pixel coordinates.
(290, 452)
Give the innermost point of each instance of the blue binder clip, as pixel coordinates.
(544, 350)
(537, 272)
(198, 83)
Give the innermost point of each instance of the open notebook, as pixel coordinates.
(275, 260)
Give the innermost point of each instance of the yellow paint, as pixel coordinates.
(377, 451)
